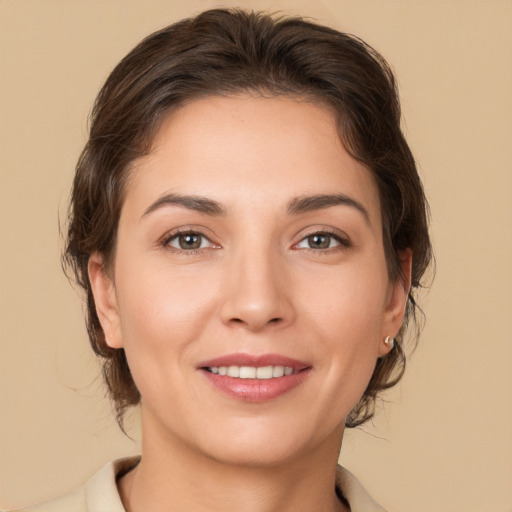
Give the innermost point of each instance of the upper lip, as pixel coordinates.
(254, 360)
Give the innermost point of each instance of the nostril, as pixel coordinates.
(271, 321)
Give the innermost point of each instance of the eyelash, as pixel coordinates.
(180, 232)
(344, 242)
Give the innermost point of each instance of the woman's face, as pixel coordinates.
(249, 247)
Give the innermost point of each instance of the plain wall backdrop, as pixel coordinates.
(443, 440)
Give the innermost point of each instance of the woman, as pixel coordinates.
(249, 228)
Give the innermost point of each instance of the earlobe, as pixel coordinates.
(396, 307)
(105, 300)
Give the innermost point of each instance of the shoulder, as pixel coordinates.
(99, 494)
(356, 495)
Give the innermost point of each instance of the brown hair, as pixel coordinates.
(230, 52)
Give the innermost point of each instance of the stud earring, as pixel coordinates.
(389, 342)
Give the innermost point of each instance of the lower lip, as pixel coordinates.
(256, 390)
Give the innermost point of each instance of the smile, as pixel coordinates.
(253, 372)
(255, 378)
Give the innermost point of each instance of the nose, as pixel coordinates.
(257, 294)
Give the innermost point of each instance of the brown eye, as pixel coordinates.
(189, 241)
(319, 241)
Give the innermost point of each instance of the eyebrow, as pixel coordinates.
(191, 202)
(303, 204)
(296, 206)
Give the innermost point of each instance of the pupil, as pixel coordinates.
(190, 241)
(319, 241)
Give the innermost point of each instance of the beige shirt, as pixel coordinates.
(100, 493)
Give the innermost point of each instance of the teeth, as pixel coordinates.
(278, 371)
(264, 372)
(233, 371)
(253, 372)
(247, 372)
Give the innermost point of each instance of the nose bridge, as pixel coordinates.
(256, 293)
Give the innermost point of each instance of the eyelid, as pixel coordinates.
(340, 236)
(185, 230)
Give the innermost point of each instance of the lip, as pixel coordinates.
(255, 390)
(254, 360)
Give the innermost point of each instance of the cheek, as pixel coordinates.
(162, 312)
(161, 317)
(349, 302)
(347, 320)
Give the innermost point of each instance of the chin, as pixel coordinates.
(266, 443)
(257, 455)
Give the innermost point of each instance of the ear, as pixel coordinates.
(104, 292)
(397, 302)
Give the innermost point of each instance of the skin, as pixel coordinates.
(256, 285)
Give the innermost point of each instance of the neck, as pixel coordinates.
(174, 477)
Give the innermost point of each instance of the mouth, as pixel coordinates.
(255, 378)
(252, 372)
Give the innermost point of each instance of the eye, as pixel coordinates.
(189, 241)
(321, 241)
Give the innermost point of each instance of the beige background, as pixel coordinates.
(444, 442)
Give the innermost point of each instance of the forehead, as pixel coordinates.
(250, 150)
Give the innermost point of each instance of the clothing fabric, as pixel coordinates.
(100, 493)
